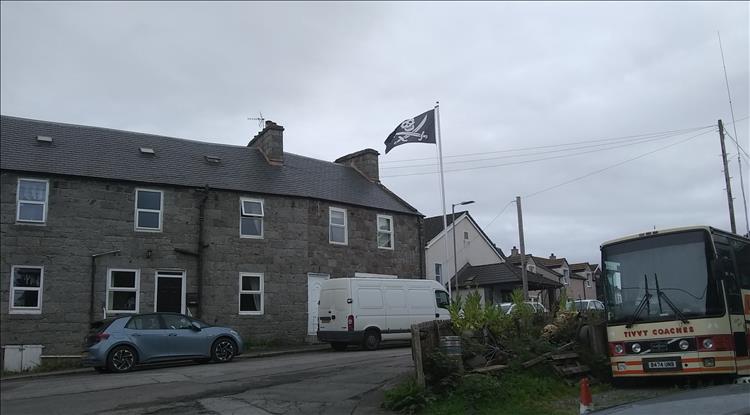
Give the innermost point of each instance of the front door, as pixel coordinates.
(314, 283)
(170, 291)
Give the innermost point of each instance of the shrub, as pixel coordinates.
(477, 388)
(406, 397)
(441, 371)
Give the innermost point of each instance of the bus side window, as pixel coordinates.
(730, 277)
(742, 256)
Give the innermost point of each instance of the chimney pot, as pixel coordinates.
(514, 251)
(552, 256)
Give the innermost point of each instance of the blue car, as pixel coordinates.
(119, 344)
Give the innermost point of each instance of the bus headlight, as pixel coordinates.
(684, 344)
(619, 349)
(636, 348)
(708, 343)
(621, 367)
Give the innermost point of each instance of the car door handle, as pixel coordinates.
(136, 335)
(172, 334)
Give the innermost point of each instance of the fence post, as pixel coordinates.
(416, 348)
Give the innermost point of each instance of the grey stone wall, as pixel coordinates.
(87, 217)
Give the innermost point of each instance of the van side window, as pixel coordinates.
(441, 297)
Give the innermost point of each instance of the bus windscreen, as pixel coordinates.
(672, 271)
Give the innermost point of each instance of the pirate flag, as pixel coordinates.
(420, 129)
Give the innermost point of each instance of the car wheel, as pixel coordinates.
(121, 359)
(338, 346)
(223, 350)
(371, 340)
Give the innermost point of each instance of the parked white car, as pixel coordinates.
(586, 305)
(366, 311)
(507, 308)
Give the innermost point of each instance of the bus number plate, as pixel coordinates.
(669, 364)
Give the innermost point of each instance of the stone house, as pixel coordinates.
(98, 222)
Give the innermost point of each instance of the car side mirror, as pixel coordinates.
(195, 326)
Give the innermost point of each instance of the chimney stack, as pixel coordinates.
(365, 162)
(514, 251)
(270, 142)
(552, 256)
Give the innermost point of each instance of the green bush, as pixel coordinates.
(476, 388)
(441, 371)
(406, 397)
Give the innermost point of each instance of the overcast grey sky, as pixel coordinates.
(340, 76)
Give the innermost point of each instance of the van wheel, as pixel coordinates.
(338, 346)
(371, 340)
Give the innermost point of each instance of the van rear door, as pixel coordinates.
(333, 309)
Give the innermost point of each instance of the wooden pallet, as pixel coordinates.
(567, 365)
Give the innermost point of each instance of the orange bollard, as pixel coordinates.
(586, 404)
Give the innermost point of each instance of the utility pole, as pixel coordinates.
(523, 251)
(726, 177)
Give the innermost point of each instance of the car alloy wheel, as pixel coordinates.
(223, 350)
(122, 359)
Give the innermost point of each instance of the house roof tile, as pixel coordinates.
(104, 153)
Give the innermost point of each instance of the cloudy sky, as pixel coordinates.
(532, 96)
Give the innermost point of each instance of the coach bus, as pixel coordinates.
(678, 303)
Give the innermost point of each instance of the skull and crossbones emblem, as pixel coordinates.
(408, 125)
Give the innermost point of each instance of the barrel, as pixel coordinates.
(451, 346)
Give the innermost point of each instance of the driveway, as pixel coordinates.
(308, 383)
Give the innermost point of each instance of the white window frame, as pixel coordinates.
(252, 215)
(588, 280)
(565, 279)
(32, 202)
(39, 290)
(110, 288)
(160, 211)
(331, 224)
(438, 276)
(390, 232)
(260, 291)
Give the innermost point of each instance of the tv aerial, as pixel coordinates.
(260, 119)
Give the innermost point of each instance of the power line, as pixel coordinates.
(515, 162)
(609, 146)
(736, 143)
(614, 165)
(684, 130)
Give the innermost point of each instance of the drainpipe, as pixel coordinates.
(93, 279)
(201, 246)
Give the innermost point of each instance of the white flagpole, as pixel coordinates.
(442, 194)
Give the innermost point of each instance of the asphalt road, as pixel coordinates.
(306, 383)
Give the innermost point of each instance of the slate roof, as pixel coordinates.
(579, 267)
(434, 225)
(104, 153)
(492, 274)
(516, 260)
(552, 263)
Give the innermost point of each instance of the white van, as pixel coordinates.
(367, 310)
